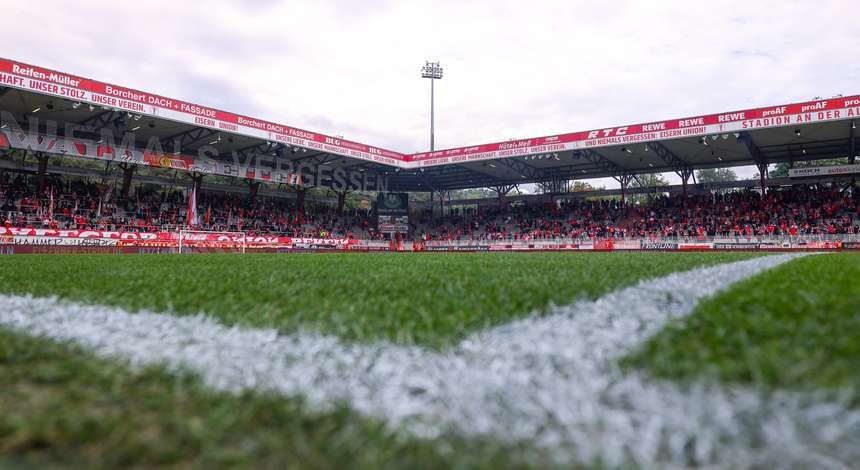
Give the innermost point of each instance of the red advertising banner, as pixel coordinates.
(50, 82)
(711, 125)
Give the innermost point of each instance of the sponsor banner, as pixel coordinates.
(737, 246)
(651, 246)
(695, 246)
(775, 246)
(820, 245)
(39, 232)
(159, 239)
(714, 126)
(7, 245)
(393, 224)
(824, 171)
(58, 241)
(107, 96)
(438, 248)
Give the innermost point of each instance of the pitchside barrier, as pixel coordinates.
(198, 241)
(30, 240)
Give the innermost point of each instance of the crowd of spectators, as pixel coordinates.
(82, 205)
(786, 211)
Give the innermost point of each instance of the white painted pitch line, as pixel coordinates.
(551, 380)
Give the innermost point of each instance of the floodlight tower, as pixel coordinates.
(433, 71)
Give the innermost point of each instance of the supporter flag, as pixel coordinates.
(51, 205)
(208, 215)
(192, 218)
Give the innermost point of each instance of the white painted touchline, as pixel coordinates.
(551, 380)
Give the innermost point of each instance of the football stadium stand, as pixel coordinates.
(93, 165)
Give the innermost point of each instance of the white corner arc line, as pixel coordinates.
(552, 380)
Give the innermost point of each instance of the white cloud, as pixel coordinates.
(512, 68)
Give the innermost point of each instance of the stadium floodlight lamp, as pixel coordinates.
(76, 105)
(136, 128)
(625, 149)
(853, 124)
(797, 132)
(216, 141)
(433, 71)
(36, 110)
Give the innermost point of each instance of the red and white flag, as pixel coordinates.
(192, 217)
(51, 205)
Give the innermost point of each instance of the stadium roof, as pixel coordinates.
(818, 129)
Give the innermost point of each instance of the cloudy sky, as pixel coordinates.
(512, 68)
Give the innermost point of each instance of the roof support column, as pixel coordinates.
(300, 200)
(762, 174)
(501, 192)
(127, 178)
(624, 180)
(852, 142)
(852, 154)
(761, 162)
(685, 175)
(253, 191)
(341, 201)
(43, 170)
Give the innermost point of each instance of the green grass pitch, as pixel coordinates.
(793, 327)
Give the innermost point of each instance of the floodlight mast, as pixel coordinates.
(433, 71)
